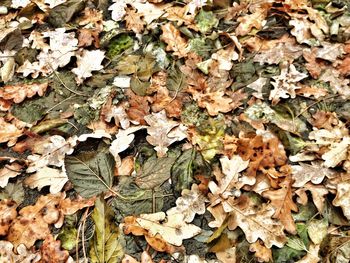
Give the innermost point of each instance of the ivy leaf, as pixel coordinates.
(154, 172)
(106, 245)
(90, 172)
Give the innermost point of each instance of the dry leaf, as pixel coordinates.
(283, 203)
(257, 223)
(171, 36)
(18, 92)
(312, 255)
(190, 203)
(304, 173)
(51, 251)
(342, 198)
(286, 83)
(47, 176)
(163, 132)
(262, 253)
(9, 171)
(134, 22)
(172, 229)
(7, 214)
(20, 255)
(9, 132)
(338, 152)
(88, 61)
(248, 22)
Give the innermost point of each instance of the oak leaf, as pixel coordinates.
(256, 223)
(18, 92)
(9, 132)
(8, 172)
(47, 176)
(163, 132)
(20, 255)
(88, 61)
(7, 214)
(171, 36)
(190, 203)
(283, 203)
(262, 253)
(342, 198)
(51, 251)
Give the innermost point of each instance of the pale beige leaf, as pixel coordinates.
(317, 230)
(21, 255)
(47, 176)
(163, 132)
(342, 198)
(8, 172)
(190, 203)
(312, 255)
(304, 173)
(256, 223)
(174, 230)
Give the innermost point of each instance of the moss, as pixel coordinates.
(119, 44)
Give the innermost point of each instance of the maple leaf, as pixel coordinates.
(18, 92)
(283, 203)
(256, 223)
(190, 203)
(47, 176)
(88, 61)
(20, 255)
(162, 132)
(171, 36)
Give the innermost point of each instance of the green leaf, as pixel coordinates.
(287, 254)
(106, 246)
(182, 170)
(154, 172)
(68, 236)
(91, 173)
(296, 243)
(206, 21)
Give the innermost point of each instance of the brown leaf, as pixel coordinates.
(262, 253)
(256, 223)
(139, 107)
(282, 201)
(51, 251)
(133, 21)
(7, 214)
(18, 92)
(171, 36)
(87, 37)
(344, 67)
(9, 132)
(8, 172)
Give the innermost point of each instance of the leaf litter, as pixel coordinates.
(174, 131)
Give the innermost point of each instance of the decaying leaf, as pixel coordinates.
(262, 253)
(51, 251)
(7, 214)
(171, 35)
